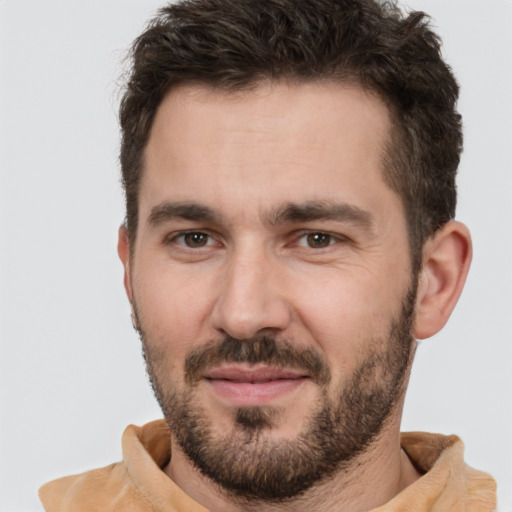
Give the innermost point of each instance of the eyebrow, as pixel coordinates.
(289, 213)
(321, 210)
(185, 210)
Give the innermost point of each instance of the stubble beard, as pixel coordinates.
(246, 462)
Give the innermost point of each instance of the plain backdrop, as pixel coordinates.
(71, 371)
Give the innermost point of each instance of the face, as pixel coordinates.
(271, 282)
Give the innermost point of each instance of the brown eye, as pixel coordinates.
(318, 240)
(195, 240)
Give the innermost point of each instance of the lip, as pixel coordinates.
(252, 386)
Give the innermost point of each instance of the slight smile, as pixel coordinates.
(253, 386)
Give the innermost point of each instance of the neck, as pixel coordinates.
(371, 480)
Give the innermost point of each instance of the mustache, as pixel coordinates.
(265, 349)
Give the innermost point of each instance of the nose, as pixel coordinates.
(251, 299)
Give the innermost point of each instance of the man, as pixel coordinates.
(289, 172)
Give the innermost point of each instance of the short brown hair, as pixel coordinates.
(237, 44)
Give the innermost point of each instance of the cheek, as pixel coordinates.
(347, 317)
(172, 309)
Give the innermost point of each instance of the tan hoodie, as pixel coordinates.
(138, 484)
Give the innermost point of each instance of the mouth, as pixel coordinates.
(253, 386)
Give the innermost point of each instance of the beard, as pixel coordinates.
(247, 462)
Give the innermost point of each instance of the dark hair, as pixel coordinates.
(237, 44)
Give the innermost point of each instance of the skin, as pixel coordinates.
(245, 157)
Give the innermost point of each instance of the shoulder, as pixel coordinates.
(111, 487)
(446, 476)
(104, 489)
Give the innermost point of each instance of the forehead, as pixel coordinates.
(278, 143)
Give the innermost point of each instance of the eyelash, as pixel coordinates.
(331, 239)
(175, 238)
(311, 236)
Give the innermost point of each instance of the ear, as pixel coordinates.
(446, 260)
(123, 249)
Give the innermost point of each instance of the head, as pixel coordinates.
(289, 173)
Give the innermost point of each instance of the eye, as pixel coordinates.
(317, 240)
(194, 239)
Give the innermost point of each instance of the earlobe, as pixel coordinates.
(123, 250)
(446, 260)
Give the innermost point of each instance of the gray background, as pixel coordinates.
(70, 367)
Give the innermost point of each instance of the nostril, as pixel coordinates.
(242, 322)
